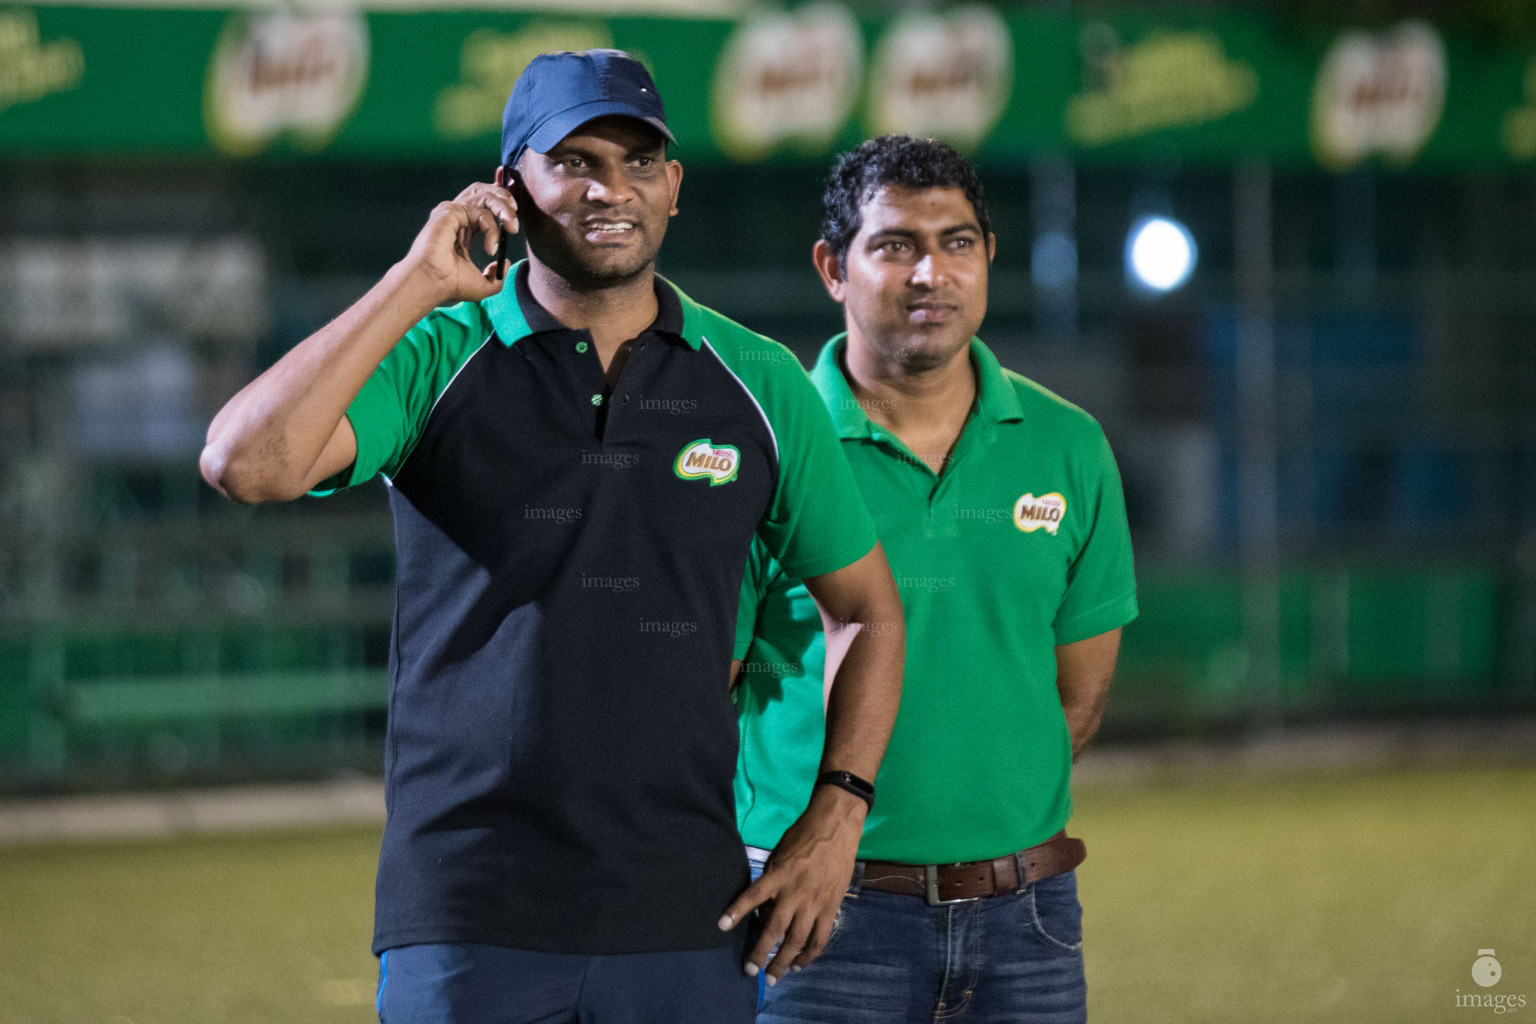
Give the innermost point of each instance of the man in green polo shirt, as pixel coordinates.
(1001, 511)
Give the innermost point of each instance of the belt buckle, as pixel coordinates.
(931, 875)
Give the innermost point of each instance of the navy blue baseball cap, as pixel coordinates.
(559, 92)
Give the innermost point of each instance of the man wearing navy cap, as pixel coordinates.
(577, 465)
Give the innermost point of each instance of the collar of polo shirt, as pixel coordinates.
(512, 326)
(995, 398)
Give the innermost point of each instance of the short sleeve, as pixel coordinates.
(817, 521)
(391, 410)
(1101, 581)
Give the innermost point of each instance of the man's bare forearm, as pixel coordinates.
(866, 654)
(1084, 670)
(862, 701)
(264, 442)
(1083, 720)
(267, 443)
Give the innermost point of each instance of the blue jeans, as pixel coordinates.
(893, 959)
(469, 983)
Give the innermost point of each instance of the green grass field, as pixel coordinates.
(1357, 900)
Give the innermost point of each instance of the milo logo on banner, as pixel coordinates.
(704, 459)
(30, 68)
(946, 76)
(1519, 128)
(1170, 79)
(1378, 93)
(489, 63)
(278, 73)
(786, 78)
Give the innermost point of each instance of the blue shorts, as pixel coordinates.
(468, 983)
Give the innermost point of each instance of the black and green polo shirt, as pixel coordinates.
(1019, 545)
(561, 739)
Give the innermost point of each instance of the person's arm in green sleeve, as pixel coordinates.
(286, 431)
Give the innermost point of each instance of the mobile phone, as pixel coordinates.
(501, 248)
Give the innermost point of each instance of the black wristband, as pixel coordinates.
(852, 783)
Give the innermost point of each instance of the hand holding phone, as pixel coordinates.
(506, 178)
(443, 246)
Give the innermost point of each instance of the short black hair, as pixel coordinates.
(899, 160)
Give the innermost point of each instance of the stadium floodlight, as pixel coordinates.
(1160, 254)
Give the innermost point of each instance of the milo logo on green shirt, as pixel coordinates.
(703, 458)
(1043, 513)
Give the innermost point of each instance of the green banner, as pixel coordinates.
(780, 85)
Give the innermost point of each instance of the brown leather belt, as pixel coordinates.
(974, 880)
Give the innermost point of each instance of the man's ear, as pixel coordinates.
(830, 268)
(508, 177)
(675, 175)
(991, 247)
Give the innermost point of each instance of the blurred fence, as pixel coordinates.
(175, 648)
(174, 652)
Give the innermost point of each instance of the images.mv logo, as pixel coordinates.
(1487, 972)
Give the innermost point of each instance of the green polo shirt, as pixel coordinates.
(1020, 545)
